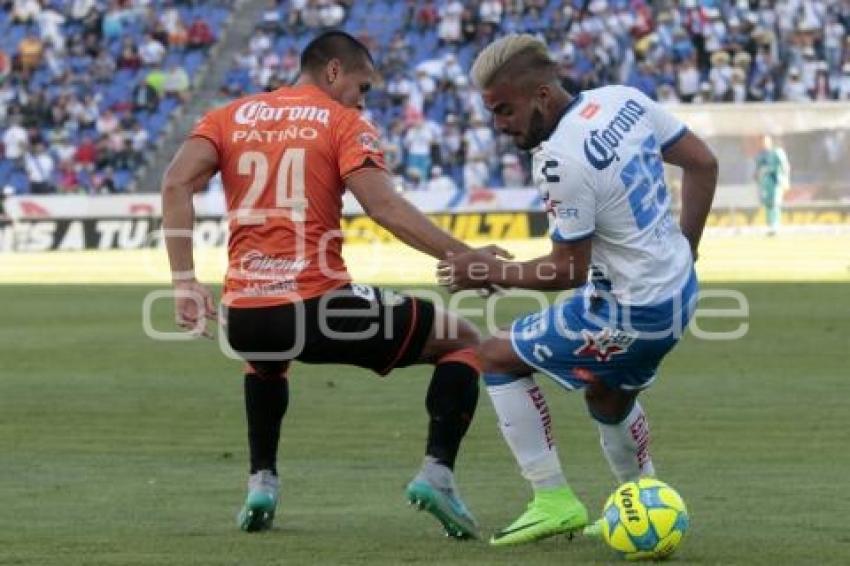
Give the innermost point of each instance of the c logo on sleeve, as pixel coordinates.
(550, 177)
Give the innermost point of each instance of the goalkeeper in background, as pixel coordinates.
(773, 175)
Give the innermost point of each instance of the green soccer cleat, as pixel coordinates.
(594, 529)
(445, 504)
(257, 513)
(551, 512)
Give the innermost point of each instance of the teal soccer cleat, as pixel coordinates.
(257, 513)
(433, 490)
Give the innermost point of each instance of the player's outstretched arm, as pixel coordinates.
(564, 268)
(373, 188)
(191, 169)
(699, 181)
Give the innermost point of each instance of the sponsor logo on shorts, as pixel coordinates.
(391, 298)
(257, 265)
(363, 291)
(584, 374)
(604, 344)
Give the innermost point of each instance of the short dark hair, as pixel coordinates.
(335, 44)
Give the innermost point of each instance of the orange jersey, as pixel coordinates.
(284, 157)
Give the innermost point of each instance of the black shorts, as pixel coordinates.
(356, 325)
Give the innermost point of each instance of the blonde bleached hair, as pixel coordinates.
(499, 56)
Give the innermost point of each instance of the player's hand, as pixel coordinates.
(495, 251)
(194, 305)
(472, 269)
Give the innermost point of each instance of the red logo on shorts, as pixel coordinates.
(584, 374)
(604, 344)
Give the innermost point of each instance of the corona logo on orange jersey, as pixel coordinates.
(255, 111)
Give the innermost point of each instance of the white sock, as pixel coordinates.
(626, 446)
(527, 427)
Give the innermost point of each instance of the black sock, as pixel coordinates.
(451, 401)
(266, 400)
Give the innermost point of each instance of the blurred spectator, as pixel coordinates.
(15, 140)
(795, 90)
(86, 155)
(738, 87)
(129, 58)
(30, 50)
(394, 147)
(176, 83)
(667, 95)
(139, 139)
(271, 18)
(103, 67)
(449, 28)
(200, 35)
(49, 25)
(426, 15)
(260, 43)
(329, 14)
(439, 181)
(151, 51)
(104, 181)
(112, 23)
(106, 123)
(479, 147)
(451, 144)
(5, 65)
(720, 76)
(512, 172)
(25, 11)
(61, 147)
(83, 11)
(688, 80)
(67, 180)
(418, 142)
(490, 12)
(85, 112)
(39, 167)
(156, 79)
(844, 83)
(145, 98)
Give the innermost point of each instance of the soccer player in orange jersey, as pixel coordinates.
(286, 158)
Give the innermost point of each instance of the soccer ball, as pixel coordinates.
(645, 519)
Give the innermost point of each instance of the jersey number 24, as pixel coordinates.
(290, 197)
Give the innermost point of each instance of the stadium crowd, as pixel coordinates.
(70, 65)
(87, 86)
(686, 51)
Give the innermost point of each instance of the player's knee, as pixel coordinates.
(490, 357)
(468, 335)
(267, 369)
(608, 405)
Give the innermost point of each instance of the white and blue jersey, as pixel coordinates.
(601, 176)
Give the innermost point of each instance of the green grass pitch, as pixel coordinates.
(116, 449)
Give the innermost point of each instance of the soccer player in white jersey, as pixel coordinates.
(597, 161)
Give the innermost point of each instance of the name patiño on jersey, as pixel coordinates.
(601, 147)
(256, 112)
